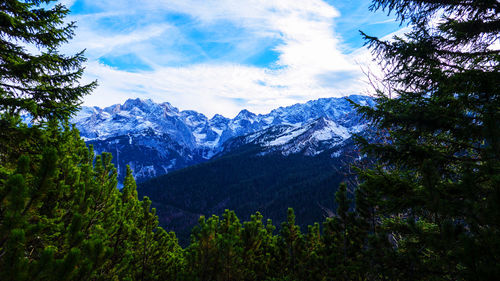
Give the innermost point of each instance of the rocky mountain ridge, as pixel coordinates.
(156, 138)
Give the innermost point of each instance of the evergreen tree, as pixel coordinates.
(258, 245)
(61, 214)
(202, 255)
(310, 268)
(435, 189)
(344, 241)
(44, 84)
(290, 247)
(62, 217)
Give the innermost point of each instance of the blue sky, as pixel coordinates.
(225, 55)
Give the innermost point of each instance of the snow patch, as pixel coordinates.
(287, 136)
(336, 154)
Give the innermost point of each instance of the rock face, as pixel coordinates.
(155, 139)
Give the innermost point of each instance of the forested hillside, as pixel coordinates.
(429, 209)
(246, 182)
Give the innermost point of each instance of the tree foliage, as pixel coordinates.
(61, 214)
(42, 83)
(435, 189)
(429, 209)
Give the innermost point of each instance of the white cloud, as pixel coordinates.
(67, 3)
(311, 62)
(210, 89)
(102, 44)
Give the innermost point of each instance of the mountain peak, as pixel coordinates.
(169, 109)
(181, 138)
(218, 117)
(245, 114)
(137, 102)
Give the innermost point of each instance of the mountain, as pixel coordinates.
(157, 138)
(246, 182)
(310, 139)
(190, 165)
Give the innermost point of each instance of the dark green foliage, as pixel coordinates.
(216, 252)
(225, 249)
(434, 194)
(42, 84)
(429, 209)
(63, 216)
(247, 183)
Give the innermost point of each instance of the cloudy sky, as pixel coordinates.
(220, 56)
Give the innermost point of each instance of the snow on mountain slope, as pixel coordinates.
(159, 138)
(309, 139)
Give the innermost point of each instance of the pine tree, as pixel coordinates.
(344, 241)
(290, 247)
(61, 214)
(311, 264)
(42, 84)
(258, 245)
(202, 253)
(436, 186)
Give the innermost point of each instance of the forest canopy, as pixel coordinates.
(429, 209)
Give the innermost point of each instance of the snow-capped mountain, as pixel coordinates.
(155, 139)
(310, 138)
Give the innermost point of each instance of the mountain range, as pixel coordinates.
(190, 165)
(157, 138)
